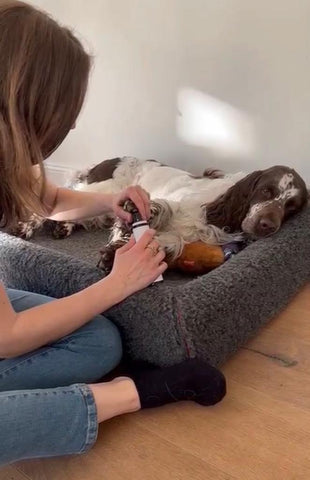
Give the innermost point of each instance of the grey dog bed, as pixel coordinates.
(209, 317)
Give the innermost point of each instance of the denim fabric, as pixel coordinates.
(45, 407)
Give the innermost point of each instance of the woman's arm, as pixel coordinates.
(64, 204)
(30, 329)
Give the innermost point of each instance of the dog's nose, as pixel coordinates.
(266, 226)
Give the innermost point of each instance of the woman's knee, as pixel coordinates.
(110, 344)
(100, 346)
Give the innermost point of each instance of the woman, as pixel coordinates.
(53, 351)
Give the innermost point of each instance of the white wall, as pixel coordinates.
(193, 82)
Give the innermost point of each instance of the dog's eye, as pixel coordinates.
(267, 192)
(290, 205)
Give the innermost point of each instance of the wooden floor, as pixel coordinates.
(260, 431)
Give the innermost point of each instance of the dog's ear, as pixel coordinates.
(229, 210)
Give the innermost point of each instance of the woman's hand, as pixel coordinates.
(138, 196)
(137, 265)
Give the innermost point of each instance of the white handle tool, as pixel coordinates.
(138, 229)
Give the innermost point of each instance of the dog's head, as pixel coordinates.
(259, 203)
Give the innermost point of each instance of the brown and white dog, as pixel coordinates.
(215, 208)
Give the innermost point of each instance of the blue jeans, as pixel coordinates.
(46, 409)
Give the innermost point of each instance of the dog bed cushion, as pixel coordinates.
(208, 317)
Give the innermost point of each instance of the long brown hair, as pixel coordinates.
(43, 80)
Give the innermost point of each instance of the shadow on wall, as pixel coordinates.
(227, 135)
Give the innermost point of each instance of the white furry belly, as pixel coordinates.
(183, 188)
(166, 183)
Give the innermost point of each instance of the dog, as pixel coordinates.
(215, 208)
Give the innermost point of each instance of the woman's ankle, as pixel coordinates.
(115, 398)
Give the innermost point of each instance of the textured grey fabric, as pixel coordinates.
(209, 317)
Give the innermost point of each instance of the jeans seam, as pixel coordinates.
(47, 350)
(92, 422)
(25, 360)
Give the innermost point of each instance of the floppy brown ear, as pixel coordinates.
(230, 209)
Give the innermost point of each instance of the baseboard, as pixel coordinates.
(59, 174)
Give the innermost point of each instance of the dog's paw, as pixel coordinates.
(62, 230)
(106, 260)
(107, 255)
(129, 206)
(26, 230)
(22, 230)
(161, 214)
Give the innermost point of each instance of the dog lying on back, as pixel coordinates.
(215, 208)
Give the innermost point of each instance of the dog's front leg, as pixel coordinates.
(161, 214)
(107, 255)
(120, 235)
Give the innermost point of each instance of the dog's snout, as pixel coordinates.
(266, 226)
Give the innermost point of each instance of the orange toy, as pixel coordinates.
(198, 258)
